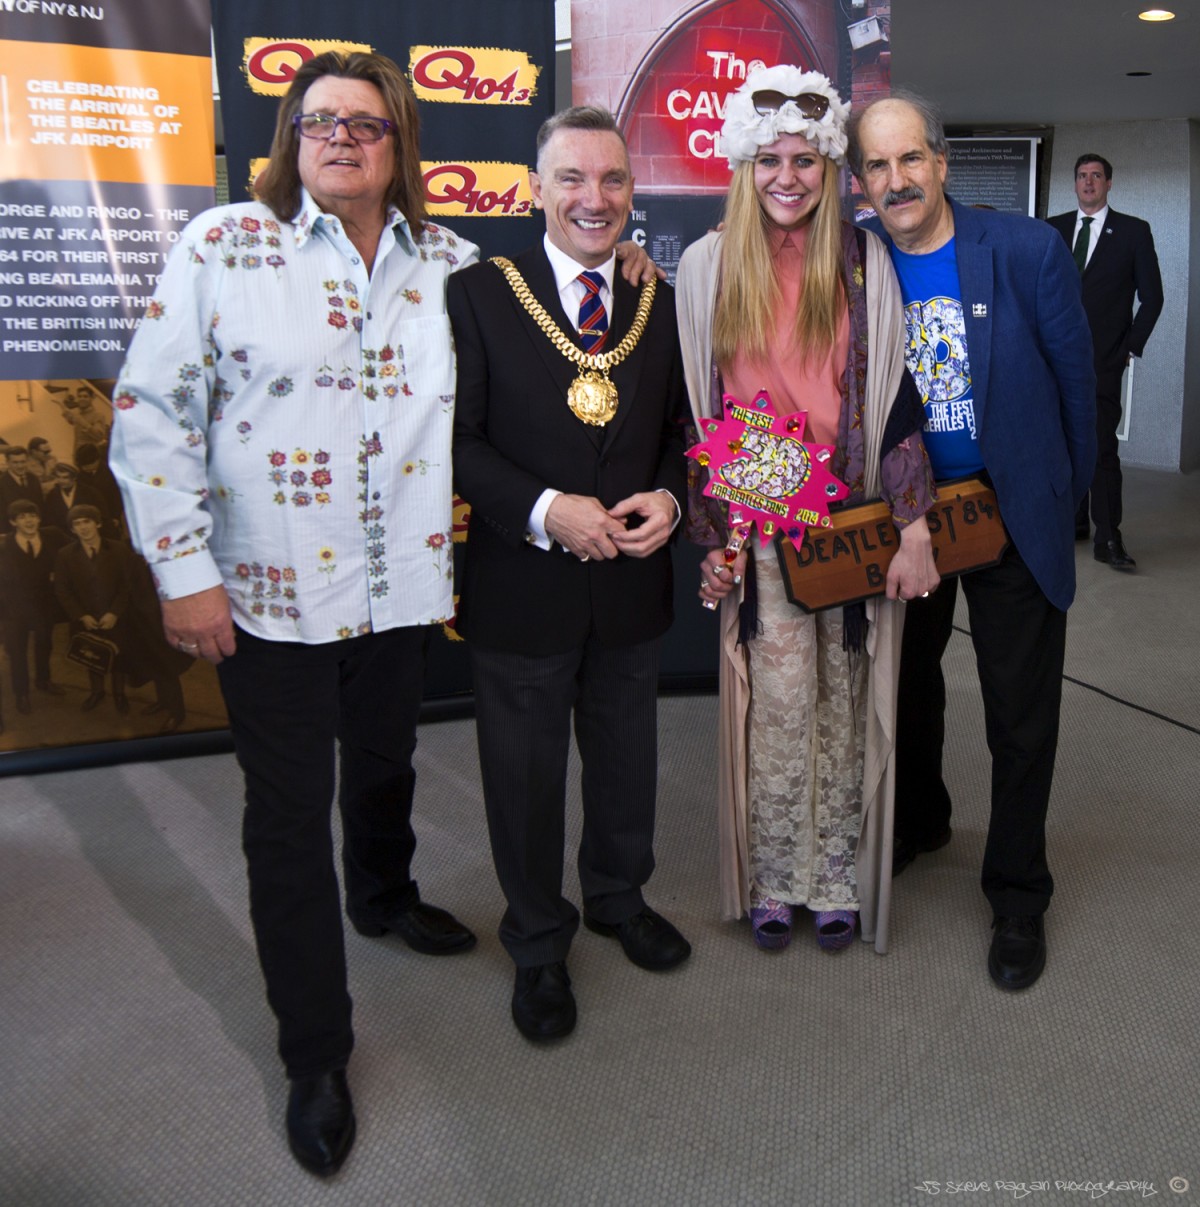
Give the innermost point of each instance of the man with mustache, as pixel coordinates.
(1000, 348)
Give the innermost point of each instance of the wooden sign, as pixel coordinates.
(849, 560)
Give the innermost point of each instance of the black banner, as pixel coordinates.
(483, 75)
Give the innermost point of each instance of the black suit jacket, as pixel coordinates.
(11, 490)
(27, 583)
(514, 436)
(55, 507)
(93, 586)
(1124, 265)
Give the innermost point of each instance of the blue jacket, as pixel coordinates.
(1034, 386)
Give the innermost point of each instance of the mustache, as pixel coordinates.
(912, 193)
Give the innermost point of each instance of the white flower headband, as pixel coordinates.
(784, 100)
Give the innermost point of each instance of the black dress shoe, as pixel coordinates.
(905, 850)
(543, 1006)
(23, 704)
(151, 709)
(91, 701)
(648, 939)
(51, 689)
(425, 928)
(1018, 951)
(320, 1122)
(1113, 553)
(172, 723)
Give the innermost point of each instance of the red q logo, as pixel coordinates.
(481, 75)
(277, 62)
(271, 64)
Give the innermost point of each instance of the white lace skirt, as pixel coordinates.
(808, 701)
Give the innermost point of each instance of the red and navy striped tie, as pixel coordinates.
(593, 319)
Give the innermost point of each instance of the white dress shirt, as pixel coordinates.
(1098, 220)
(571, 292)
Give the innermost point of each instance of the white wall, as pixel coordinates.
(1156, 176)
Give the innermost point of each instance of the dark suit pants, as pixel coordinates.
(1020, 644)
(1105, 493)
(17, 629)
(289, 704)
(523, 718)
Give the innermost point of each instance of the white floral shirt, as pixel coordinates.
(283, 421)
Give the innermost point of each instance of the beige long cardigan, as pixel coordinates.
(695, 299)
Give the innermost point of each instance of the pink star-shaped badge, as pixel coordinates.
(761, 467)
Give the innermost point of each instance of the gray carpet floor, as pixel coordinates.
(138, 1053)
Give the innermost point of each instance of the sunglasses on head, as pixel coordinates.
(810, 104)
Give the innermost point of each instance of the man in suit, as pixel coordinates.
(1115, 255)
(27, 586)
(567, 581)
(18, 481)
(998, 345)
(67, 492)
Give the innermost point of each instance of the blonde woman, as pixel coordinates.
(790, 299)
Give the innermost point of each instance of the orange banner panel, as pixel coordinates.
(86, 113)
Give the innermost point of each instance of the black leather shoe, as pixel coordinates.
(1113, 553)
(91, 701)
(51, 689)
(543, 1006)
(425, 928)
(320, 1122)
(1018, 951)
(172, 723)
(905, 850)
(153, 708)
(649, 940)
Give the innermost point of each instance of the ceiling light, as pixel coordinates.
(1156, 14)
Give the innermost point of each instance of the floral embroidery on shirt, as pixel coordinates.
(342, 297)
(437, 542)
(268, 590)
(243, 372)
(373, 529)
(300, 477)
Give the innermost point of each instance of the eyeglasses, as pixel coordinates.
(324, 125)
(810, 104)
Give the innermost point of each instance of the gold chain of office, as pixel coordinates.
(592, 396)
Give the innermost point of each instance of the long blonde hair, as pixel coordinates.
(749, 294)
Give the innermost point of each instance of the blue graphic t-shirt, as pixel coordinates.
(936, 356)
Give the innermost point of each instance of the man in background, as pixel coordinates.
(1116, 260)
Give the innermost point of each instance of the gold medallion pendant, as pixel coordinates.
(592, 396)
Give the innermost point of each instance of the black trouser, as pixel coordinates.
(1020, 644)
(17, 629)
(523, 708)
(1105, 494)
(288, 705)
